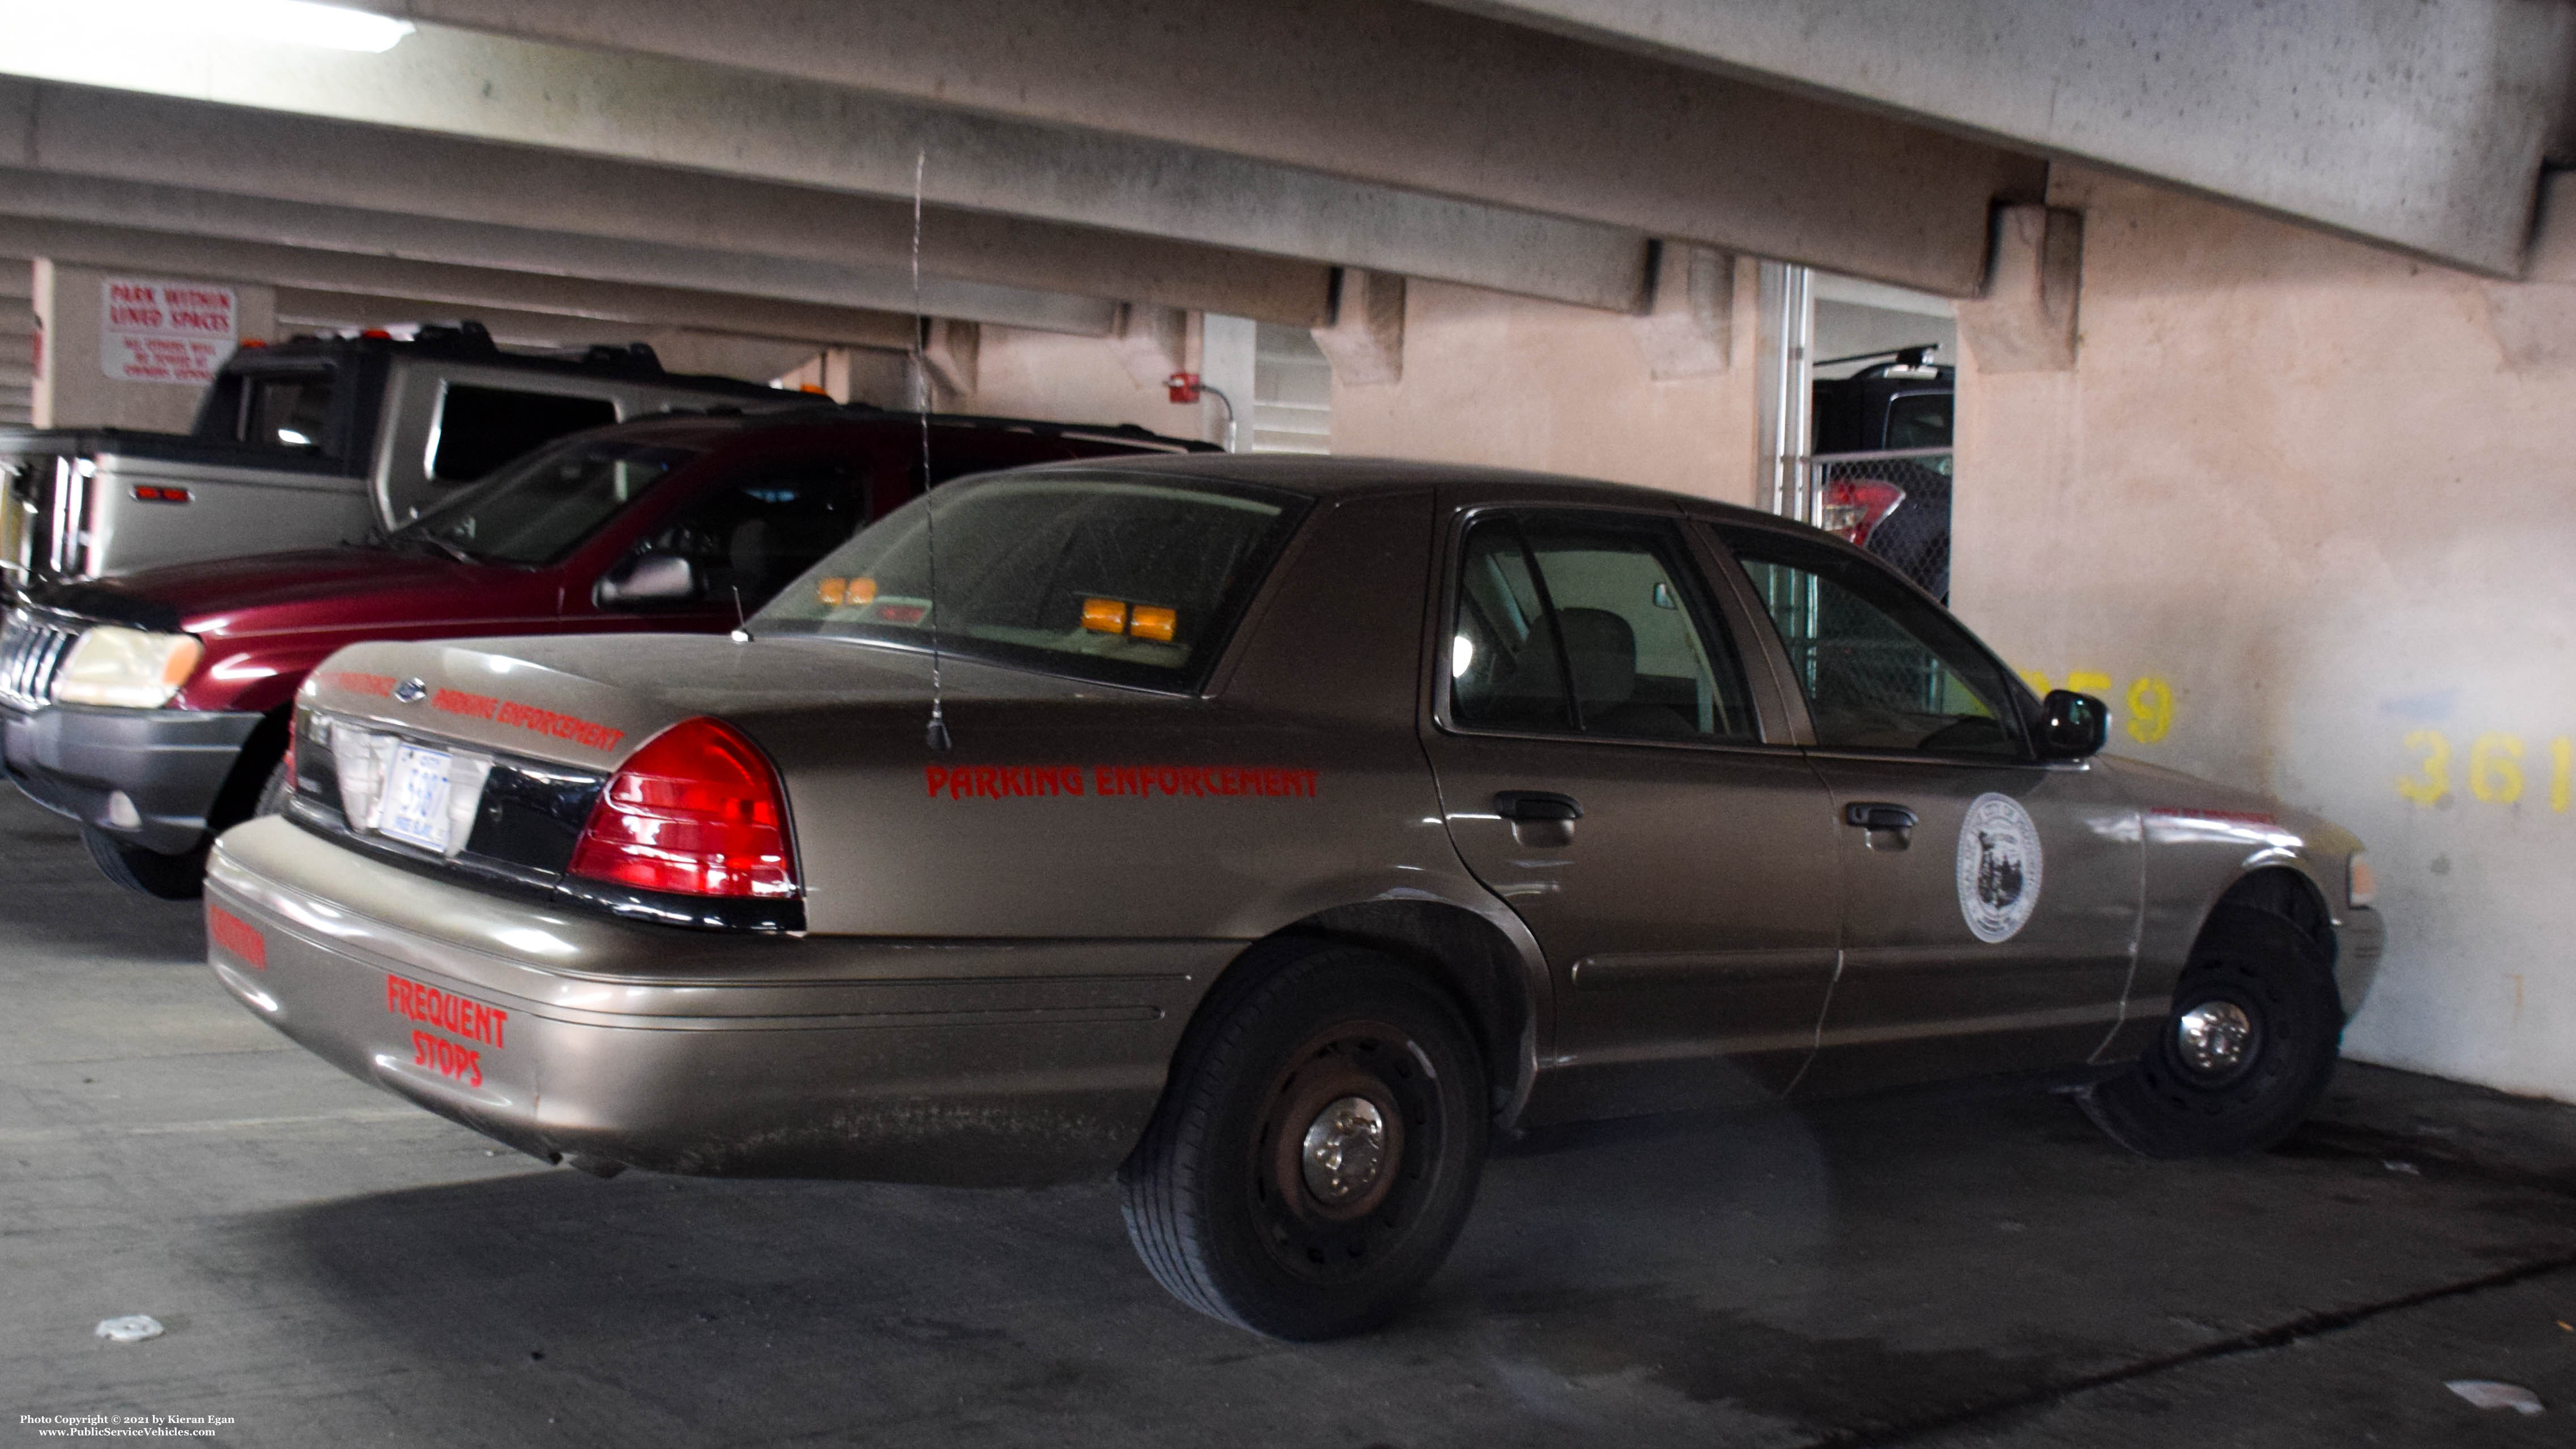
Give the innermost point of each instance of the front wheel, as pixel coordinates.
(2243, 1056)
(1317, 1148)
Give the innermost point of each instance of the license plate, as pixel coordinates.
(416, 791)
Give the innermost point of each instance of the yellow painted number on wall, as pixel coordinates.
(2559, 751)
(2495, 769)
(2436, 765)
(2151, 699)
(2150, 710)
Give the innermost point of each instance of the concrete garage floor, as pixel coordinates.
(337, 1268)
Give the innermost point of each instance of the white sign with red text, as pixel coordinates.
(164, 331)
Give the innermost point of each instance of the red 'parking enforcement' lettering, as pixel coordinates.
(1189, 782)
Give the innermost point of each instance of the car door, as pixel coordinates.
(1605, 769)
(1990, 901)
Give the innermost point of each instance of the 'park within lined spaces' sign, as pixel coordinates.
(164, 331)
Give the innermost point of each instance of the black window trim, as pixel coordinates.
(1724, 611)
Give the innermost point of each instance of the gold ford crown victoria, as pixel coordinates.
(1287, 828)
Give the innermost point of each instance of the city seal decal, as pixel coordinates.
(1999, 867)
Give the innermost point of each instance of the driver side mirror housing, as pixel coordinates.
(647, 578)
(2072, 726)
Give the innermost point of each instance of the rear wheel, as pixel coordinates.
(163, 877)
(1317, 1148)
(2245, 1052)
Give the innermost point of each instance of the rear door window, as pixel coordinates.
(1590, 623)
(480, 428)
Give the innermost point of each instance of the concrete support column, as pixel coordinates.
(1365, 342)
(1688, 328)
(2026, 320)
(129, 350)
(1151, 342)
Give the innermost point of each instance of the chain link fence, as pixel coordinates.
(1896, 504)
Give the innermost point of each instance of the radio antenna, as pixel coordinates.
(936, 737)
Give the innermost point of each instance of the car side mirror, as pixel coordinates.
(647, 578)
(2072, 726)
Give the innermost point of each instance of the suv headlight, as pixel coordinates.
(130, 667)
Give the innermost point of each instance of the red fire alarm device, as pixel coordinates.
(1184, 386)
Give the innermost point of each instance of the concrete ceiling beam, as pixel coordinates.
(682, 113)
(459, 289)
(161, 140)
(48, 196)
(2419, 124)
(1390, 92)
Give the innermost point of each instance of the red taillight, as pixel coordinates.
(696, 812)
(1854, 506)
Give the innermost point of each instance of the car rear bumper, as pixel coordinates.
(169, 764)
(972, 1062)
(2360, 939)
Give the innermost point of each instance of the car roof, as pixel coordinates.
(1321, 477)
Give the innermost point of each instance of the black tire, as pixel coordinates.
(1222, 1198)
(147, 872)
(272, 795)
(2170, 1105)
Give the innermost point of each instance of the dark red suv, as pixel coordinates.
(152, 707)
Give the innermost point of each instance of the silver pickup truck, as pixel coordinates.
(313, 442)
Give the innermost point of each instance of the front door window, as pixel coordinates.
(1882, 666)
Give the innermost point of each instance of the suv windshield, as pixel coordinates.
(1123, 579)
(542, 508)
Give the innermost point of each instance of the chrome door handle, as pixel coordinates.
(1878, 815)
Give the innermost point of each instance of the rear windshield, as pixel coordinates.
(1122, 579)
(543, 507)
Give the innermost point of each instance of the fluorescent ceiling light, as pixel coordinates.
(290, 22)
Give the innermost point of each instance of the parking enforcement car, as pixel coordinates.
(1271, 832)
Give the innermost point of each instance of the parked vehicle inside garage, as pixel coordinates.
(152, 708)
(1883, 461)
(314, 442)
(1297, 825)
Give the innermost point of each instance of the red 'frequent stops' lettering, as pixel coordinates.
(1193, 782)
(457, 1015)
(237, 936)
(463, 1063)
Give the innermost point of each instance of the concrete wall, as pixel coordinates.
(1527, 384)
(1024, 374)
(2299, 517)
(72, 390)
